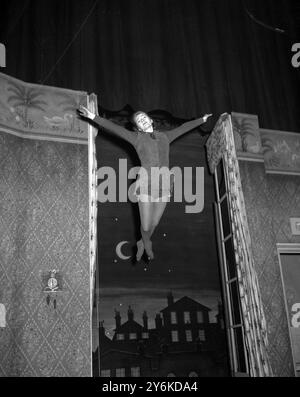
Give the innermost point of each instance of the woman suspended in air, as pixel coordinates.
(152, 148)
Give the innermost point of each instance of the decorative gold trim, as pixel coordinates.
(42, 137)
(92, 165)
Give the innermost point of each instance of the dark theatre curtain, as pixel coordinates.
(186, 57)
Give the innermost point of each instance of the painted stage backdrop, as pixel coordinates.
(162, 317)
(278, 150)
(41, 111)
(44, 226)
(281, 152)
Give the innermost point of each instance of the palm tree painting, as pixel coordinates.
(25, 98)
(271, 158)
(245, 134)
(70, 103)
(281, 151)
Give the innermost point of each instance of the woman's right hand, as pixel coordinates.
(84, 112)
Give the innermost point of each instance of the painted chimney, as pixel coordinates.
(220, 318)
(101, 329)
(118, 319)
(145, 320)
(158, 321)
(170, 298)
(130, 314)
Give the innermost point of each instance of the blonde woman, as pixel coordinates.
(152, 147)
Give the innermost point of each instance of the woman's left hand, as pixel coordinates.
(206, 116)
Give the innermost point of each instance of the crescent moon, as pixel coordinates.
(119, 252)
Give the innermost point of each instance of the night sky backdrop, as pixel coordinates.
(184, 244)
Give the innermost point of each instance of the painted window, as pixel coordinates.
(187, 317)
(120, 372)
(188, 335)
(135, 371)
(174, 335)
(173, 318)
(105, 372)
(202, 335)
(199, 317)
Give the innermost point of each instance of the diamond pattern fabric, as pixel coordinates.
(270, 201)
(44, 225)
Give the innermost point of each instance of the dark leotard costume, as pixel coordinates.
(152, 148)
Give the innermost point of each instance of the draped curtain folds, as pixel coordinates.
(221, 145)
(186, 57)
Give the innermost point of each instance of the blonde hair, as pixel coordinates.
(135, 114)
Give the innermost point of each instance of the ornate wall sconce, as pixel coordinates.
(52, 283)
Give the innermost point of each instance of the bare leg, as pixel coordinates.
(158, 211)
(140, 249)
(146, 210)
(146, 214)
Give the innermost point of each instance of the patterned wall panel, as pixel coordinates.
(44, 225)
(270, 201)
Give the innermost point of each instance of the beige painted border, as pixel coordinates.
(44, 137)
(244, 156)
(283, 172)
(279, 132)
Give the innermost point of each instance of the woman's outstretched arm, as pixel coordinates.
(186, 127)
(129, 136)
